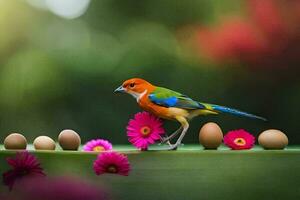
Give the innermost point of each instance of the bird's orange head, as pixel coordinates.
(136, 87)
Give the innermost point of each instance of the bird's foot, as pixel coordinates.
(164, 140)
(173, 146)
(169, 148)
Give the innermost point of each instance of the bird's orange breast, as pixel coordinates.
(161, 111)
(155, 109)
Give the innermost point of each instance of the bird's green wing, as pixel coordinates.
(169, 98)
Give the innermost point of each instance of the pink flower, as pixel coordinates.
(144, 129)
(97, 145)
(112, 162)
(23, 165)
(239, 139)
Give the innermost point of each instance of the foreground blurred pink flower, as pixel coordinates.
(144, 130)
(59, 188)
(24, 165)
(239, 139)
(112, 162)
(97, 145)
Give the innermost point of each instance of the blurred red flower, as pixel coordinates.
(234, 38)
(268, 37)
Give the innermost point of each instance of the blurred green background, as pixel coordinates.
(60, 62)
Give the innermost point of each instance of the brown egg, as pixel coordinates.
(210, 135)
(44, 143)
(15, 141)
(69, 140)
(273, 139)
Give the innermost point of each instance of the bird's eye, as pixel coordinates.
(131, 85)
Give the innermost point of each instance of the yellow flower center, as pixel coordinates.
(98, 148)
(145, 130)
(240, 141)
(112, 169)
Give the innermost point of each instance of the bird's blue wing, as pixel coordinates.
(169, 98)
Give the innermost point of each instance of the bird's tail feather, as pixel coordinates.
(223, 109)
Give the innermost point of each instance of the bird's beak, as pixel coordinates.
(120, 90)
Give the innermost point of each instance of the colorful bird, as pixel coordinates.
(171, 105)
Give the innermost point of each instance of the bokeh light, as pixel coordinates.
(69, 9)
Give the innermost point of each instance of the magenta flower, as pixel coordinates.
(111, 162)
(144, 129)
(97, 145)
(239, 139)
(23, 165)
(66, 188)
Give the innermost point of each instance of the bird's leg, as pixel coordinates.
(174, 134)
(185, 126)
